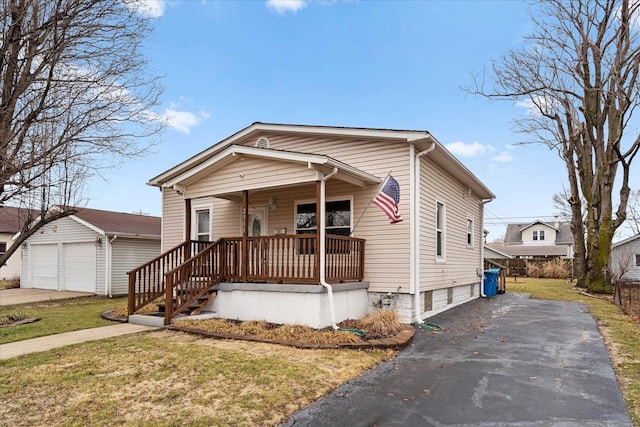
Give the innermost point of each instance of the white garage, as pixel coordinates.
(90, 251)
(44, 266)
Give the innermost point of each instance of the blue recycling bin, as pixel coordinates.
(491, 282)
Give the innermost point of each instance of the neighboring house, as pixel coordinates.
(625, 259)
(11, 220)
(90, 251)
(537, 239)
(275, 263)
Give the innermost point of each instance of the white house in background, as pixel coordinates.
(90, 251)
(537, 239)
(625, 258)
(11, 220)
(297, 239)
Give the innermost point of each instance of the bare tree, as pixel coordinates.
(75, 97)
(578, 76)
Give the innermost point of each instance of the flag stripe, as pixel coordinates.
(388, 198)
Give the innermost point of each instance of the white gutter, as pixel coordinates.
(414, 172)
(323, 254)
(109, 277)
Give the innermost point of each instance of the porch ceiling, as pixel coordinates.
(318, 165)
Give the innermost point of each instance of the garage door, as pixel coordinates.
(79, 267)
(44, 266)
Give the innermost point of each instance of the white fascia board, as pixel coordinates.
(240, 150)
(625, 241)
(538, 221)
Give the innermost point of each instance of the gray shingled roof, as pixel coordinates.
(514, 232)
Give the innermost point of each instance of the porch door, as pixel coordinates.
(258, 256)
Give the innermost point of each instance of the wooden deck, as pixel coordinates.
(186, 272)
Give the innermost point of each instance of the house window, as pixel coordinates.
(338, 218)
(541, 234)
(440, 232)
(469, 232)
(637, 260)
(203, 225)
(3, 248)
(535, 234)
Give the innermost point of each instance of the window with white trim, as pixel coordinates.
(440, 230)
(637, 260)
(469, 232)
(541, 234)
(535, 234)
(203, 225)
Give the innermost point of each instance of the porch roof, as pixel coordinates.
(315, 162)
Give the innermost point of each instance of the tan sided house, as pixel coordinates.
(276, 223)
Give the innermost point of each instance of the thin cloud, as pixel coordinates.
(503, 157)
(283, 6)
(182, 121)
(467, 150)
(150, 8)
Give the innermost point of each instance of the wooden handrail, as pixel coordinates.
(146, 282)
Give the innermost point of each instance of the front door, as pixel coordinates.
(258, 256)
(257, 222)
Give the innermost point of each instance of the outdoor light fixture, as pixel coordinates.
(272, 203)
(98, 242)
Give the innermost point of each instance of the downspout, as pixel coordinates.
(109, 275)
(323, 244)
(415, 224)
(482, 294)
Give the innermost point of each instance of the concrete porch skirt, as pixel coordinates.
(289, 304)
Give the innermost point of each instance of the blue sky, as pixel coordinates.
(381, 64)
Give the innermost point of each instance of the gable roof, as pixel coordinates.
(494, 248)
(513, 235)
(12, 218)
(120, 223)
(421, 138)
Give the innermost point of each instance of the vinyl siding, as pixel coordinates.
(127, 254)
(11, 269)
(461, 262)
(623, 258)
(172, 219)
(250, 174)
(549, 235)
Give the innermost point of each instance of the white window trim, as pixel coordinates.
(194, 218)
(470, 244)
(443, 257)
(328, 199)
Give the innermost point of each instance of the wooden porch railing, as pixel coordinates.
(182, 278)
(146, 283)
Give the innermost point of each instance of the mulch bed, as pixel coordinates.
(20, 322)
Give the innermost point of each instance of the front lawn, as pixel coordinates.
(58, 316)
(168, 378)
(620, 332)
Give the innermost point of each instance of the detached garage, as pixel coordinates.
(90, 251)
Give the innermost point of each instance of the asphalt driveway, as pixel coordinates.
(507, 361)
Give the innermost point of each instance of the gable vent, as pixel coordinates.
(262, 142)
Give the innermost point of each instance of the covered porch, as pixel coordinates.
(300, 268)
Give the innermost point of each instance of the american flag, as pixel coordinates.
(388, 198)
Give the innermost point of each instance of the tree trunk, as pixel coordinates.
(599, 276)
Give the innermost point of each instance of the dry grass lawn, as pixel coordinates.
(169, 378)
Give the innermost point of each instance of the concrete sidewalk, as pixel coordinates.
(50, 342)
(15, 296)
(508, 361)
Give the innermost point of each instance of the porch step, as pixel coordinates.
(196, 306)
(152, 319)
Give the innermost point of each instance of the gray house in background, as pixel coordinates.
(625, 259)
(90, 251)
(537, 239)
